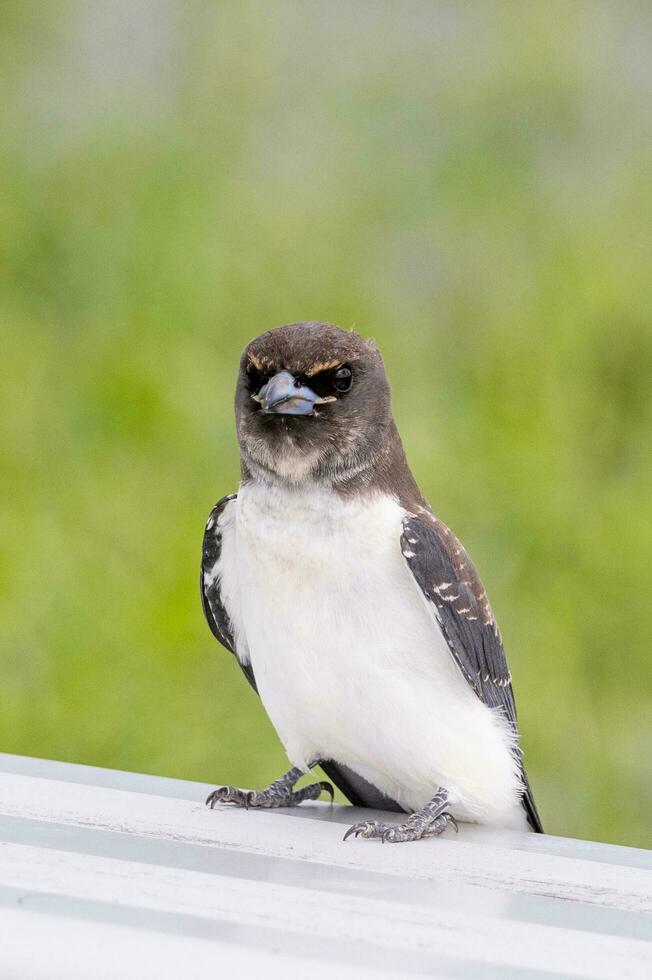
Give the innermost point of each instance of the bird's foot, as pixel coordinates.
(430, 821)
(280, 793)
(397, 833)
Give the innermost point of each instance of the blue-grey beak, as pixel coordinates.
(283, 396)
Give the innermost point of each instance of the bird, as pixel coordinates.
(353, 610)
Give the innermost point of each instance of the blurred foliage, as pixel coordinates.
(471, 184)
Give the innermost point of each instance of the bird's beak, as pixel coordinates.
(282, 395)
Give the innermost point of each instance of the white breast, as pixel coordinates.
(348, 658)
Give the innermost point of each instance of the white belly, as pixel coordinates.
(348, 659)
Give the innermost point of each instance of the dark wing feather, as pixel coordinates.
(450, 582)
(354, 787)
(357, 790)
(211, 597)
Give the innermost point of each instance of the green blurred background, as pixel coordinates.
(470, 184)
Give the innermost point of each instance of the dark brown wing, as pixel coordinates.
(451, 584)
(211, 597)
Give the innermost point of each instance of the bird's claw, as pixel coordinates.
(368, 828)
(398, 833)
(229, 794)
(271, 797)
(327, 788)
(450, 819)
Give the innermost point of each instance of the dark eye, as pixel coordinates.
(343, 378)
(255, 378)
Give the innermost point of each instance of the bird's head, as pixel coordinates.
(312, 403)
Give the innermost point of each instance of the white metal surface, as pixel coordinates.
(110, 874)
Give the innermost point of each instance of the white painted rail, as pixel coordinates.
(110, 874)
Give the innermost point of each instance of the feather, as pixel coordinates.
(450, 582)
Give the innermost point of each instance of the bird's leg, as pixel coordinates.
(430, 821)
(280, 793)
